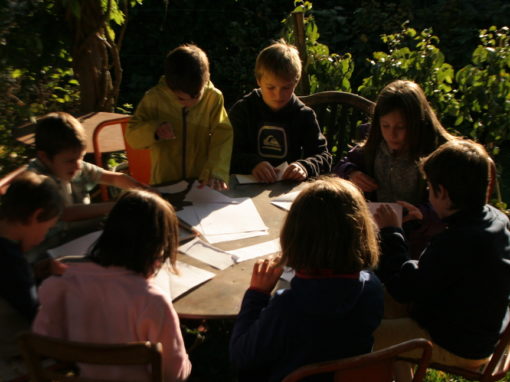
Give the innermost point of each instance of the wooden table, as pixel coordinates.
(221, 296)
(111, 138)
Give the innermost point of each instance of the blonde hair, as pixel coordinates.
(280, 59)
(329, 226)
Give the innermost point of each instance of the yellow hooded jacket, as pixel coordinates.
(204, 136)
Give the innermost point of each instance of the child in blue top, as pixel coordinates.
(30, 207)
(334, 302)
(404, 129)
(271, 125)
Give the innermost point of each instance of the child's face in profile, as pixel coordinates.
(276, 91)
(394, 130)
(65, 164)
(38, 231)
(186, 100)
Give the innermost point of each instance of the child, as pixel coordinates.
(60, 145)
(111, 298)
(184, 123)
(404, 129)
(271, 125)
(30, 207)
(458, 291)
(334, 303)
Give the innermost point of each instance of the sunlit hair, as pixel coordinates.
(141, 233)
(29, 192)
(424, 131)
(187, 69)
(462, 168)
(329, 226)
(281, 60)
(56, 132)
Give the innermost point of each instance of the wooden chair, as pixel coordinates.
(373, 367)
(139, 160)
(494, 370)
(6, 180)
(339, 115)
(35, 348)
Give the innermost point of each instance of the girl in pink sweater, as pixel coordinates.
(111, 298)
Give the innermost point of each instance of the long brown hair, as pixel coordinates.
(424, 131)
(329, 226)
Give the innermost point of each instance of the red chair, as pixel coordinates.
(373, 367)
(139, 160)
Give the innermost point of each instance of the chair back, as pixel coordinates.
(374, 367)
(35, 348)
(6, 180)
(139, 160)
(339, 115)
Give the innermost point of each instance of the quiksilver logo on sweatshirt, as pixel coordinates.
(272, 142)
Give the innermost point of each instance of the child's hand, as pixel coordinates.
(265, 275)
(264, 172)
(214, 183)
(413, 212)
(165, 131)
(363, 181)
(385, 216)
(295, 172)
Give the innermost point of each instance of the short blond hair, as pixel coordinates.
(280, 59)
(329, 226)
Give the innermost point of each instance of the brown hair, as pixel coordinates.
(29, 192)
(141, 230)
(462, 168)
(329, 226)
(56, 132)
(424, 131)
(280, 59)
(187, 69)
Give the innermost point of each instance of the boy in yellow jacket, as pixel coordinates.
(183, 121)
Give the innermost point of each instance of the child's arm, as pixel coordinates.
(76, 212)
(316, 157)
(141, 130)
(121, 180)
(221, 138)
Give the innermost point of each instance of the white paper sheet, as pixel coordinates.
(373, 206)
(285, 201)
(256, 250)
(76, 247)
(250, 179)
(200, 250)
(207, 195)
(217, 218)
(173, 188)
(288, 274)
(175, 285)
(213, 239)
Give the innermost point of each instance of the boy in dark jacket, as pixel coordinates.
(271, 125)
(458, 291)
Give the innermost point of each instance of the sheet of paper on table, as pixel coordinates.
(173, 188)
(175, 285)
(250, 179)
(200, 250)
(256, 250)
(373, 206)
(77, 247)
(207, 195)
(285, 201)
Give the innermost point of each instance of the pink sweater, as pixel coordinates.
(92, 303)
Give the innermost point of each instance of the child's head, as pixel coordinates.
(404, 119)
(187, 73)
(461, 168)
(278, 70)
(140, 234)
(34, 201)
(329, 226)
(60, 143)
